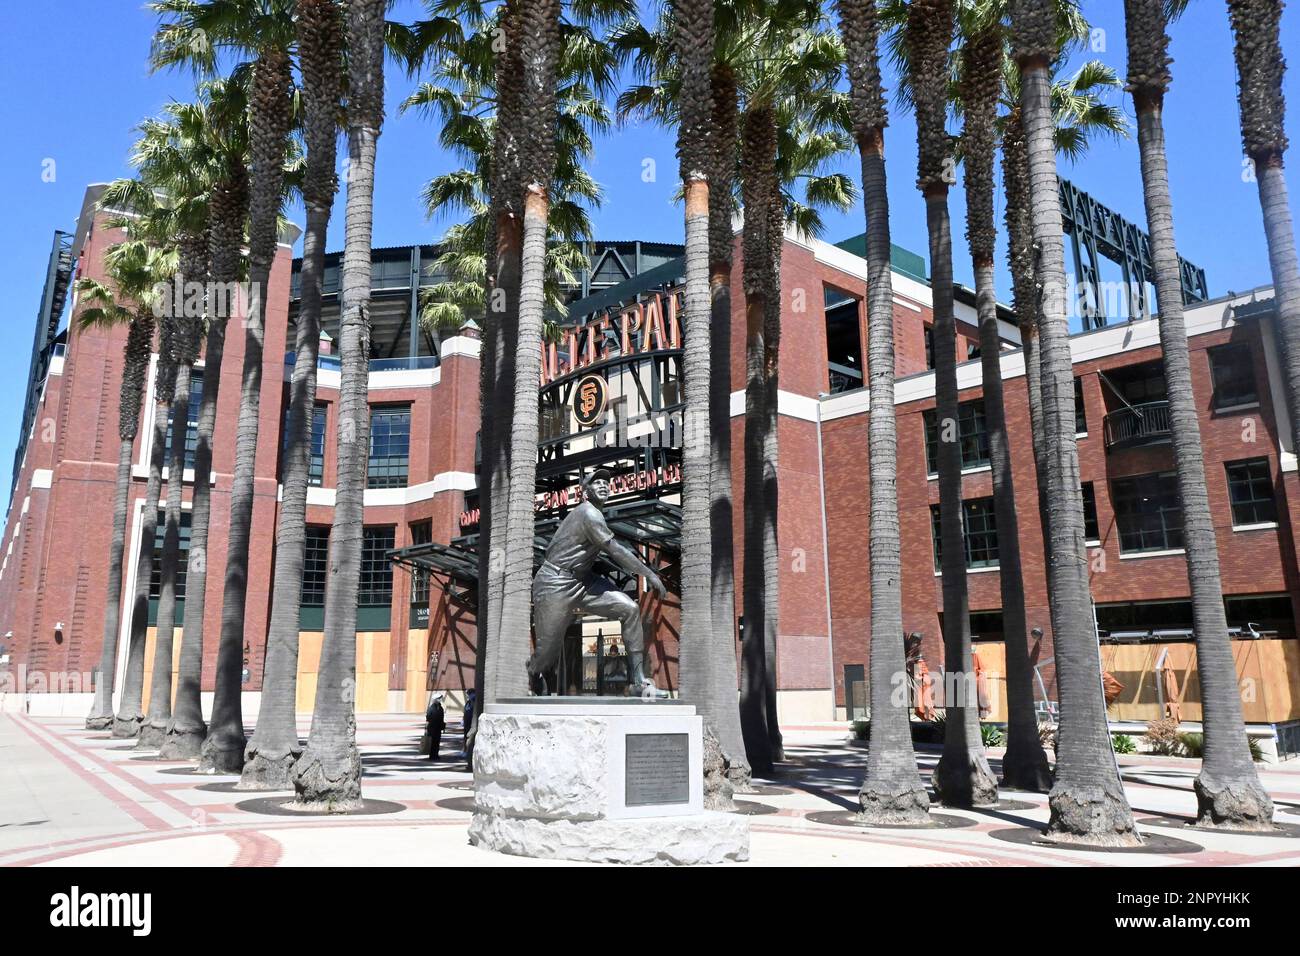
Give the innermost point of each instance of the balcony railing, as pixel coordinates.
(1134, 425)
(332, 362)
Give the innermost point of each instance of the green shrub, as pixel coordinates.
(1193, 744)
(991, 735)
(861, 729)
(1123, 744)
(1256, 754)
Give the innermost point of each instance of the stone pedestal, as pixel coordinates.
(615, 780)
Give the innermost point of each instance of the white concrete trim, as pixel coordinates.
(461, 345)
(1084, 347)
(1258, 526)
(404, 378)
(145, 429)
(377, 381)
(1277, 392)
(325, 377)
(789, 404)
(1170, 552)
(42, 477)
(992, 567)
(129, 558)
(316, 495)
(379, 497)
(978, 469)
(56, 366)
(27, 503)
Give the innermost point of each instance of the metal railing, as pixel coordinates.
(402, 363)
(1134, 425)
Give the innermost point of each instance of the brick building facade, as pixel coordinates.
(417, 627)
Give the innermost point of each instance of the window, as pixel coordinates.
(315, 565)
(421, 533)
(1148, 513)
(980, 530)
(191, 423)
(929, 346)
(390, 446)
(972, 433)
(1080, 412)
(972, 350)
(316, 456)
(1142, 383)
(316, 450)
(376, 587)
(843, 341)
(159, 539)
(1091, 528)
(1250, 489)
(1233, 373)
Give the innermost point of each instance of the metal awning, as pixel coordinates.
(652, 523)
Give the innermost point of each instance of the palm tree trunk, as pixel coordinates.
(723, 644)
(1228, 792)
(757, 166)
(1087, 800)
(271, 753)
(892, 791)
(269, 121)
(1025, 764)
(188, 730)
(134, 365)
(771, 484)
(539, 51)
(1256, 29)
(497, 357)
(963, 777)
(1021, 261)
(694, 41)
(328, 774)
(154, 727)
(129, 715)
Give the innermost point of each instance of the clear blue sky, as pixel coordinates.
(76, 82)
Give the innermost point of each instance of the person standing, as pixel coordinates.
(435, 720)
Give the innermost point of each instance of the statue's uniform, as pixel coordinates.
(566, 583)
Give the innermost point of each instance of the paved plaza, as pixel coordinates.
(69, 796)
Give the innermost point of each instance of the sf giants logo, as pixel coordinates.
(589, 397)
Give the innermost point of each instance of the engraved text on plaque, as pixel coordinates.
(657, 769)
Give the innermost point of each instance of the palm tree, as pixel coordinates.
(693, 39)
(1087, 800)
(963, 776)
(191, 32)
(168, 206)
(708, 675)
(892, 791)
(270, 755)
(721, 700)
(1079, 110)
(130, 717)
(539, 43)
(101, 307)
(185, 348)
(329, 771)
(980, 86)
(220, 124)
(1228, 792)
(1256, 30)
(462, 96)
